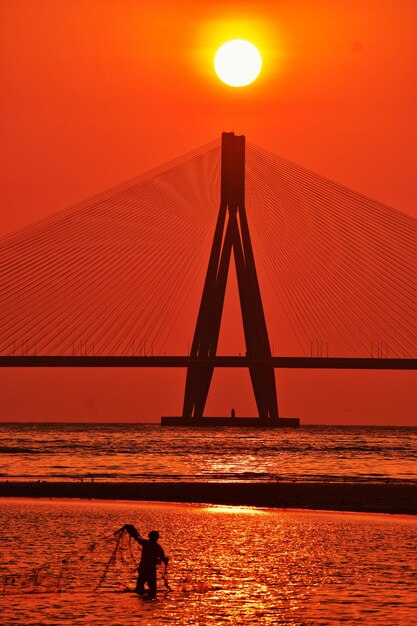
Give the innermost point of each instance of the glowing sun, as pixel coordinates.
(237, 63)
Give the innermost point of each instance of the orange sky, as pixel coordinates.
(96, 92)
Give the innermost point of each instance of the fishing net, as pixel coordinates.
(109, 564)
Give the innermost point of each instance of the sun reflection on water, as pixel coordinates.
(231, 510)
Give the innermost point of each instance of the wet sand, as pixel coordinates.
(398, 498)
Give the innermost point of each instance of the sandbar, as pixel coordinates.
(390, 497)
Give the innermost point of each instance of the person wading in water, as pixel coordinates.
(152, 554)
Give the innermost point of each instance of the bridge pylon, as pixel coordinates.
(231, 234)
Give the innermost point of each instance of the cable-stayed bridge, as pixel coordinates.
(109, 281)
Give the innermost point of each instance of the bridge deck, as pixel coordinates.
(278, 362)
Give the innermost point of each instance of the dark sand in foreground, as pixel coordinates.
(400, 498)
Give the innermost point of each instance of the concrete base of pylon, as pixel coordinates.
(235, 422)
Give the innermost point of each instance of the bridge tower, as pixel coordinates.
(231, 234)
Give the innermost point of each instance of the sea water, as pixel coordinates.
(249, 566)
(146, 452)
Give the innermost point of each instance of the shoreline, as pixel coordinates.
(395, 498)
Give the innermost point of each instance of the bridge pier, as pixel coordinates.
(231, 234)
(236, 422)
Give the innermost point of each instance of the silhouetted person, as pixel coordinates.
(152, 555)
(232, 413)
